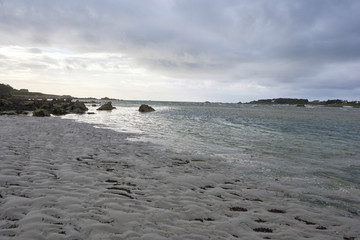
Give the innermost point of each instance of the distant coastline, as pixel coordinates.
(303, 102)
(8, 93)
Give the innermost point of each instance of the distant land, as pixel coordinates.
(6, 92)
(13, 102)
(303, 102)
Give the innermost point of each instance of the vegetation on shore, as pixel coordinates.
(7, 91)
(302, 102)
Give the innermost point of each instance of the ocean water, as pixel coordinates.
(311, 154)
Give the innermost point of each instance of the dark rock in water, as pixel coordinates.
(90, 113)
(93, 105)
(41, 113)
(300, 105)
(78, 107)
(79, 104)
(107, 106)
(146, 108)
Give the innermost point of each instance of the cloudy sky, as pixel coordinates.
(184, 50)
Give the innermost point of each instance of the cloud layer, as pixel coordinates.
(185, 50)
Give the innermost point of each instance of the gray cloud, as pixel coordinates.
(35, 50)
(294, 43)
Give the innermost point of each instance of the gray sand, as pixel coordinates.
(65, 180)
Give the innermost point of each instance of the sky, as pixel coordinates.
(184, 50)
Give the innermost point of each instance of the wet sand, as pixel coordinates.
(65, 180)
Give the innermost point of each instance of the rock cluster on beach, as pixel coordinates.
(41, 107)
(57, 106)
(41, 113)
(146, 108)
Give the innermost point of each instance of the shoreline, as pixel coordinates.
(60, 179)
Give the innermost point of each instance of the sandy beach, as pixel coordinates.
(60, 179)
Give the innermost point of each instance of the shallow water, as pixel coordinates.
(312, 153)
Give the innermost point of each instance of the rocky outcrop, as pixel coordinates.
(18, 105)
(58, 111)
(107, 106)
(54, 106)
(41, 113)
(12, 112)
(146, 108)
(78, 107)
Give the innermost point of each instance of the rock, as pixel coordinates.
(63, 105)
(93, 105)
(8, 112)
(56, 106)
(106, 106)
(59, 111)
(46, 105)
(77, 107)
(300, 105)
(17, 104)
(5, 104)
(41, 113)
(146, 108)
(27, 103)
(90, 113)
(77, 111)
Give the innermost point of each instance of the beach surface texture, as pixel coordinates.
(60, 179)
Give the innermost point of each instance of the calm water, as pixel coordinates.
(314, 152)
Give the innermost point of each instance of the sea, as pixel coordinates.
(313, 152)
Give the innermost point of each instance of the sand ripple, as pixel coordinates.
(64, 180)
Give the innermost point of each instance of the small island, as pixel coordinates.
(303, 102)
